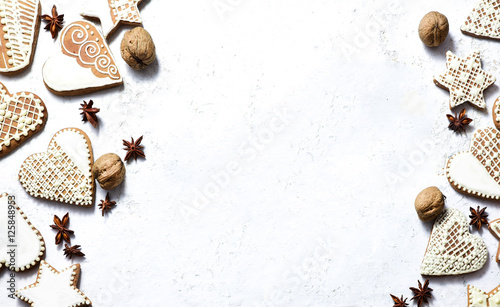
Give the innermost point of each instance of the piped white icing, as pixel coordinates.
(28, 240)
(479, 298)
(452, 250)
(53, 289)
(484, 20)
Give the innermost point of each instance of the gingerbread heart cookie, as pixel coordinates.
(21, 116)
(64, 172)
(452, 250)
(20, 25)
(476, 172)
(84, 63)
(29, 243)
(112, 13)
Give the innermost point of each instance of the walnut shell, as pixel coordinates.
(109, 171)
(137, 48)
(429, 203)
(433, 29)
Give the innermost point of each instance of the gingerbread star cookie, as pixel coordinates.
(494, 228)
(452, 250)
(83, 64)
(484, 20)
(465, 80)
(479, 298)
(112, 13)
(64, 172)
(21, 116)
(476, 172)
(54, 289)
(22, 240)
(20, 25)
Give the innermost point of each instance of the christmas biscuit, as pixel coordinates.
(479, 298)
(484, 20)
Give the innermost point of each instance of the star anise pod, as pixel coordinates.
(478, 217)
(106, 204)
(422, 293)
(399, 302)
(458, 123)
(62, 231)
(54, 22)
(89, 113)
(70, 251)
(134, 149)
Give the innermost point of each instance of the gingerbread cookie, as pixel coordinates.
(54, 289)
(476, 172)
(62, 173)
(465, 80)
(496, 113)
(484, 20)
(112, 13)
(452, 250)
(479, 298)
(21, 116)
(29, 243)
(84, 63)
(494, 228)
(20, 24)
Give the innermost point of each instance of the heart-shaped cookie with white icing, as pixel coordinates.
(30, 245)
(452, 250)
(64, 172)
(21, 116)
(83, 64)
(476, 172)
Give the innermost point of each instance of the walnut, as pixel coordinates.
(433, 29)
(137, 48)
(109, 171)
(429, 203)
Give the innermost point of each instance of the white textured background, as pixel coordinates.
(286, 141)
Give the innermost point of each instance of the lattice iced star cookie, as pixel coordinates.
(113, 12)
(465, 80)
(21, 116)
(484, 20)
(20, 25)
(64, 172)
(452, 250)
(30, 245)
(476, 172)
(479, 298)
(54, 289)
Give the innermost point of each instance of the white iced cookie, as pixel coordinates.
(494, 228)
(113, 12)
(452, 250)
(484, 20)
(476, 172)
(479, 298)
(29, 244)
(465, 80)
(20, 20)
(64, 172)
(83, 64)
(54, 289)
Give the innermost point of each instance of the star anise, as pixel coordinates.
(89, 113)
(54, 22)
(458, 123)
(106, 204)
(422, 293)
(478, 217)
(72, 251)
(134, 149)
(62, 231)
(399, 302)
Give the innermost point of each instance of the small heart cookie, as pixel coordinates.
(20, 25)
(21, 116)
(452, 250)
(30, 245)
(83, 64)
(476, 172)
(64, 172)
